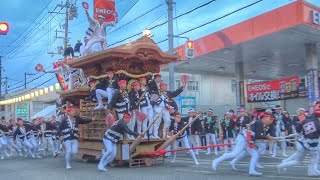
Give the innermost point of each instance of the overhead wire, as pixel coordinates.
(13, 51)
(29, 27)
(161, 24)
(138, 17)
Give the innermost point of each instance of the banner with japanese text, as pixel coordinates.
(273, 90)
(22, 110)
(105, 8)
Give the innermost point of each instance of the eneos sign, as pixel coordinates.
(105, 8)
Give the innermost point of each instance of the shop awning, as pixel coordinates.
(46, 113)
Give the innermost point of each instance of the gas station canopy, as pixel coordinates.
(271, 46)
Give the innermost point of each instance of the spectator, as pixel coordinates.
(68, 52)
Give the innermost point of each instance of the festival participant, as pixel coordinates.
(241, 145)
(145, 104)
(111, 138)
(308, 140)
(70, 75)
(299, 117)
(68, 132)
(110, 85)
(263, 130)
(3, 140)
(55, 137)
(203, 131)
(76, 48)
(226, 127)
(281, 131)
(25, 134)
(175, 127)
(134, 101)
(68, 52)
(210, 122)
(120, 100)
(161, 108)
(154, 85)
(99, 31)
(46, 132)
(12, 128)
(195, 132)
(242, 121)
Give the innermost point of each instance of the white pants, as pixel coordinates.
(101, 94)
(133, 121)
(185, 144)
(12, 144)
(110, 153)
(3, 143)
(261, 147)
(283, 144)
(149, 112)
(93, 40)
(164, 114)
(57, 145)
(298, 158)
(225, 141)
(71, 149)
(211, 138)
(195, 142)
(241, 145)
(72, 79)
(46, 142)
(31, 144)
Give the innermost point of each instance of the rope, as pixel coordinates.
(162, 152)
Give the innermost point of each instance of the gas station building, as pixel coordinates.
(277, 47)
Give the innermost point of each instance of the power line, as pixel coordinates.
(31, 35)
(138, 17)
(161, 24)
(198, 7)
(220, 17)
(128, 10)
(36, 86)
(13, 51)
(29, 27)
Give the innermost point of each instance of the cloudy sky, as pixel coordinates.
(32, 29)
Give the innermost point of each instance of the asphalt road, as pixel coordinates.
(54, 169)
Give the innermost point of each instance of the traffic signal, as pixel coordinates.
(189, 49)
(4, 28)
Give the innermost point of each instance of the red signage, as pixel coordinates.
(273, 90)
(106, 8)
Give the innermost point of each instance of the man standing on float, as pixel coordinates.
(99, 31)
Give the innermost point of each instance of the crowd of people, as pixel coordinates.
(242, 135)
(149, 103)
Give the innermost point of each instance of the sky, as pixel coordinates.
(32, 28)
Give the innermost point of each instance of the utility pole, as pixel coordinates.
(6, 86)
(25, 78)
(170, 40)
(69, 15)
(66, 26)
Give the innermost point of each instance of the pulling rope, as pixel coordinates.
(162, 152)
